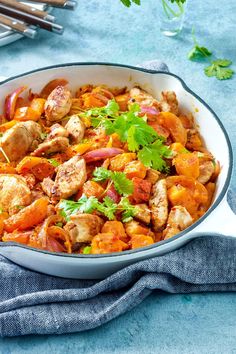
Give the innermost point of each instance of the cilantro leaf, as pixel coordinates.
(122, 184)
(140, 134)
(198, 52)
(210, 70)
(222, 62)
(53, 162)
(129, 210)
(108, 208)
(127, 3)
(101, 174)
(219, 69)
(99, 115)
(83, 205)
(87, 250)
(153, 154)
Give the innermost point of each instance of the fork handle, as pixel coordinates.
(67, 4)
(28, 9)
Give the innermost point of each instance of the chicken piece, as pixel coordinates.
(58, 144)
(179, 219)
(152, 176)
(169, 102)
(142, 97)
(76, 129)
(143, 213)
(18, 140)
(159, 205)
(14, 193)
(58, 104)
(57, 130)
(194, 141)
(83, 227)
(71, 176)
(206, 169)
(47, 186)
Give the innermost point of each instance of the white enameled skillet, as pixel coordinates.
(219, 219)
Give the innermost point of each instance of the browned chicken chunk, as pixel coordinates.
(83, 227)
(14, 193)
(206, 171)
(58, 144)
(143, 214)
(169, 102)
(58, 104)
(20, 139)
(76, 129)
(179, 219)
(70, 177)
(57, 130)
(142, 97)
(159, 205)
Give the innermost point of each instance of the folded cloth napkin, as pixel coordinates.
(34, 303)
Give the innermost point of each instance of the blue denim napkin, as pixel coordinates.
(34, 303)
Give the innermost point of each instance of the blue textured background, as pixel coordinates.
(104, 30)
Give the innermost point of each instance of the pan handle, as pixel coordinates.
(222, 220)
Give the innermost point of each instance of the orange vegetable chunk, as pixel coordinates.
(119, 162)
(37, 105)
(28, 217)
(91, 188)
(187, 164)
(138, 241)
(135, 169)
(26, 113)
(174, 125)
(116, 228)
(107, 243)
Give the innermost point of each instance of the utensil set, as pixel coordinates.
(25, 17)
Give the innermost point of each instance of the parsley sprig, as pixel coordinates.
(122, 184)
(88, 205)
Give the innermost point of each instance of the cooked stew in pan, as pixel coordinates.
(101, 170)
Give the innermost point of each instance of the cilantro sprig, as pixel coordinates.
(153, 155)
(121, 183)
(220, 69)
(198, 52)
(88, 205)
(134, 130)
(128, 3)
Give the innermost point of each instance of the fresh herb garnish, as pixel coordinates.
(128, 2)
(219, 69)
(99, 116)
(121, 183)
(88, 205)
(54, 162)
(129, 211)
(153, 154)
(87, 250)
(198, 52)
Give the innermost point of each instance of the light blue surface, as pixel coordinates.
(103, 30)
